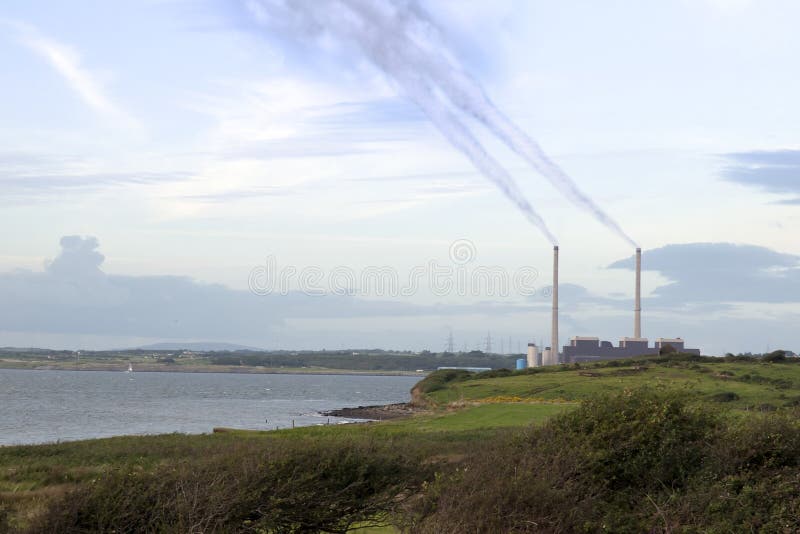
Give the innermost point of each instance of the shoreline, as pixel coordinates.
(361, 414)
(121, 367)
(378, 412)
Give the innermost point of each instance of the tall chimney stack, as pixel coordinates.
(554, 341)
(637, 309)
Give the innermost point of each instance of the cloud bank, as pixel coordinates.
(718, 297)
(771, 171)
(720, 273)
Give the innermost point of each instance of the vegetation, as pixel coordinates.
(286, 487)
(753, 382)
(370, 360)
(639, 461)
(366, 360)
(669, 443)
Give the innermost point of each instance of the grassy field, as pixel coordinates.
(480, 417)
(464, 412)
(755, 385)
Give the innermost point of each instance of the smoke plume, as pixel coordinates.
(398, 37)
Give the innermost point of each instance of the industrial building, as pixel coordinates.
(586, 349)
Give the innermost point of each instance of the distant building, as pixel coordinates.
(587, 349)
(534, 358)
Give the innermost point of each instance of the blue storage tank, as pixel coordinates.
(521, 363)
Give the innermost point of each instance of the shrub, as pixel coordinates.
(637, 462)
(288, 487)
(4, 519)
(641, 438)
(750, 481)
(439, 379)
(775, 356)
(725, 396)
(587, 470)
(494, 373)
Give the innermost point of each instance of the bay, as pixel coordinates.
(47, 406)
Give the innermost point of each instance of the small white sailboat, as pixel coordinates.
(130, 368)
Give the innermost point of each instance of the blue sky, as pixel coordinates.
(187, 142)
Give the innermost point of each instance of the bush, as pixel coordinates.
(494, 373)
(439, 379)
(775, 356)
(725, 396)
(641, 438)
(637, 462)
(750, 481)
(288, 487)
(587, 470)
(4, 519)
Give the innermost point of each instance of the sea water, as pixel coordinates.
(47, 406)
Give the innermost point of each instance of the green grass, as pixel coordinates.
(483, 416)
(756, 384)
(374, 530)
(466, 412)
(28, 468)
(29, 475)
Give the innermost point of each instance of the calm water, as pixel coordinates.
(45, 406)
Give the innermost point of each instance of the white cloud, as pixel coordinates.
(730, 7)
(67, 62)
(286, 145)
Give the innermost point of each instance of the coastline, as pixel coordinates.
(122, 365)
(379, 412)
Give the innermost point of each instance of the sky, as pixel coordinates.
(212, 171)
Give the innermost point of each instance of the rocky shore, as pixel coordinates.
(378, 413)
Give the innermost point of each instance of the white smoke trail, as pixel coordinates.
(410, 31)
(400, 58)
(460, 137)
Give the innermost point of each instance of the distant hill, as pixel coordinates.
(201, 346)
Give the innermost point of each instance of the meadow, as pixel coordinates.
(672, 444)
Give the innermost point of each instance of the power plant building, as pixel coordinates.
(587, 349)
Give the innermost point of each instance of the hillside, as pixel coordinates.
(661, 444)
(177, 358)
(202, 346)
(742, 384)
